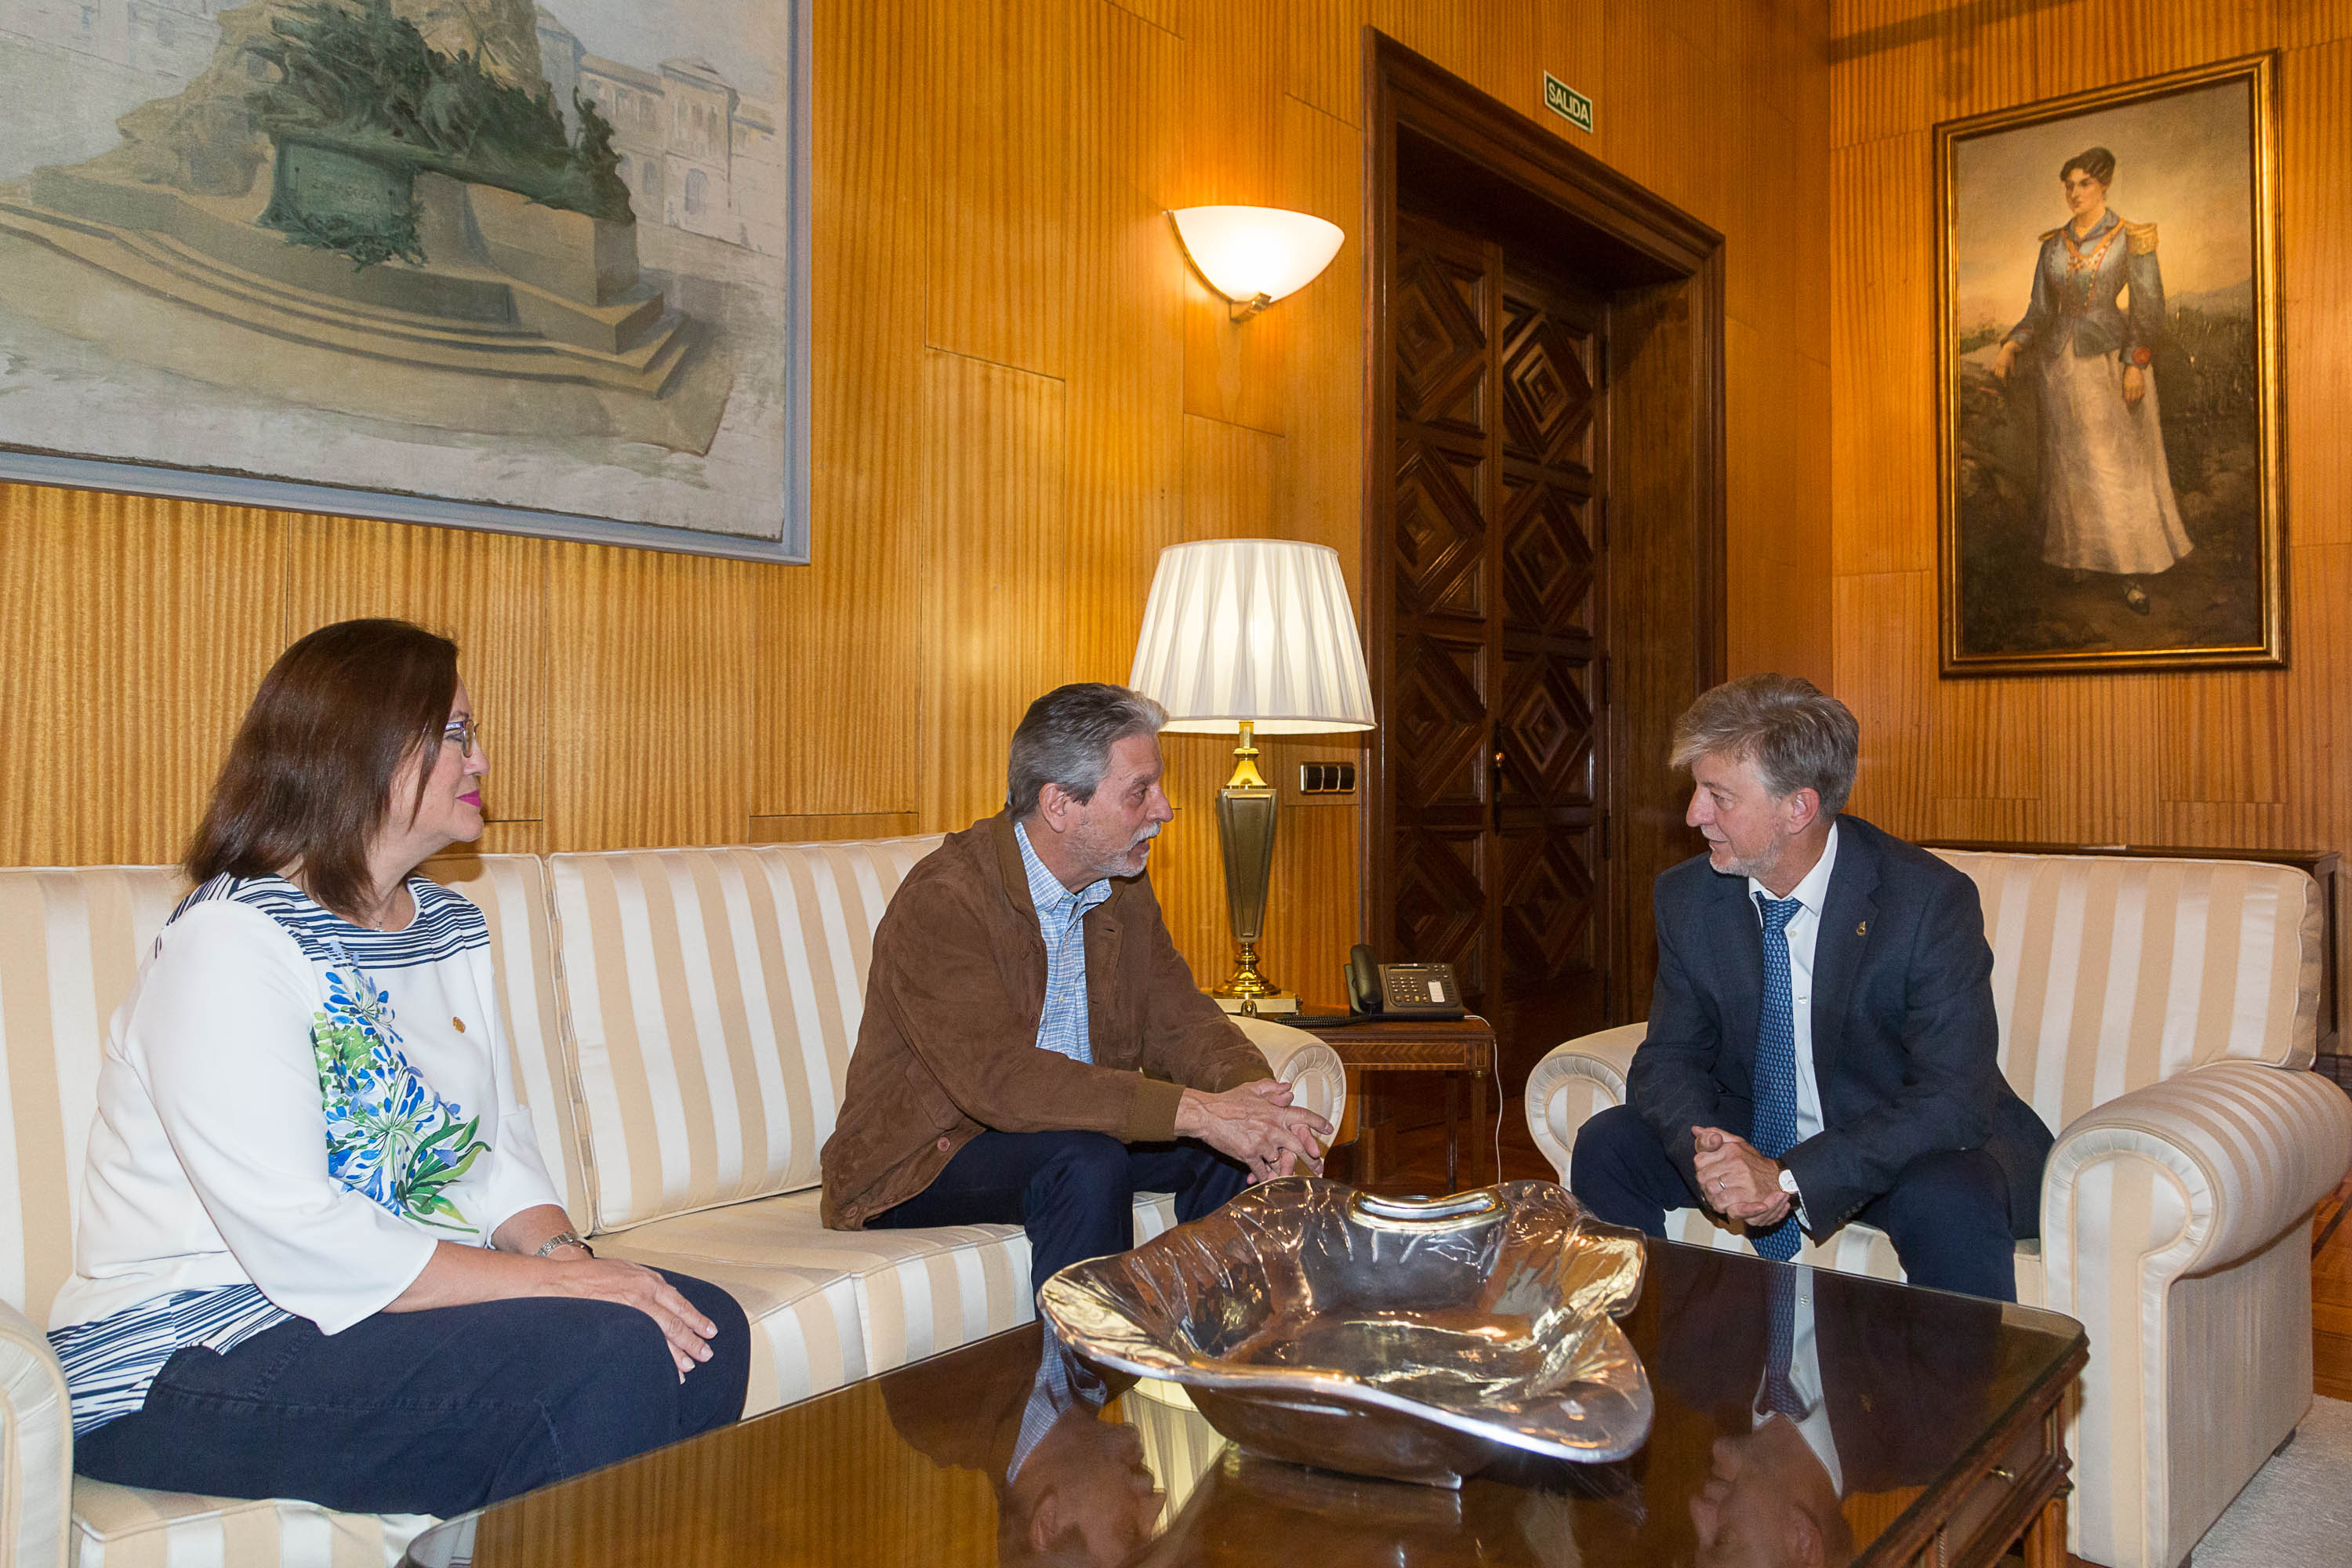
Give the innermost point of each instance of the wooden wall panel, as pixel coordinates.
(648, 698)
(998, 236)
(136, 631)
(832, 648)
(995, 635)
(1020, 392)
(2248, 759)
(486, 591)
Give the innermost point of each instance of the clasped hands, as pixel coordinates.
(1737, 1181)
(1258, 1125)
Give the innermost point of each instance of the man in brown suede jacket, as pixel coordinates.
(1033, 1050)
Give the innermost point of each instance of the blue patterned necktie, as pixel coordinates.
(1780, 1351)
(1776, 1065)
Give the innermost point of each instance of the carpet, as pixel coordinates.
(2297, 1510)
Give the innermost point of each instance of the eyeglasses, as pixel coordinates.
(466, 732)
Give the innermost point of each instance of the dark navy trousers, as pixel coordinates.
(432, 1412)
(1947, 1213)
(1074, 1192)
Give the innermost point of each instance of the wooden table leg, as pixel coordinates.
(1453, 1146)
(2046, 1537)
(1482, 1152)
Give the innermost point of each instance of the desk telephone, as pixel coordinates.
(1401, 990)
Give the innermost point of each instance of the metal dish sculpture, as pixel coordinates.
(1398, 1337)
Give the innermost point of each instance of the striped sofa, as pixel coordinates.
(680, 1022)
(2159, 1014)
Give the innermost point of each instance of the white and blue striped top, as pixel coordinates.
(293, 1112)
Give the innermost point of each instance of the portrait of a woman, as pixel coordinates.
(2089, 336)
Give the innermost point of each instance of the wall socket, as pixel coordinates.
(1327, 781)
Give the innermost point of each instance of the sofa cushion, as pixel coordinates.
(833, 1306)
(714, 995)
(130, 1526)
(512, 892)
(75, 941)
(2110, 974)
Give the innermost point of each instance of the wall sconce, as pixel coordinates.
(1255, 256)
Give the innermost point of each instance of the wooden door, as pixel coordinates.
(1497, 669)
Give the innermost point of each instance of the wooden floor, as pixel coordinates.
(1420, 1167)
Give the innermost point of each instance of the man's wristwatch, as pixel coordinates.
(1788, 1183)
(563, 1238)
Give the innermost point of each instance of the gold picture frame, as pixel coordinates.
(2089, 522)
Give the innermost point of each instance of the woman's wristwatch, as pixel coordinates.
(563, 1238)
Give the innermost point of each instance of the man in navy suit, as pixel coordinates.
(1821, 1037)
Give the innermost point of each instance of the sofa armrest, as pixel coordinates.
(2233, 1153)
(36, 1448)
(1311, 1068)
(1573, 1082)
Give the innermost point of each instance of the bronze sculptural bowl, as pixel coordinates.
(1399, 1337)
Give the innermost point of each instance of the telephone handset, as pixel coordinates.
(1401, 990)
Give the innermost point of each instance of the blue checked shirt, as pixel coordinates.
(1061, 919)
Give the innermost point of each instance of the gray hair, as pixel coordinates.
(1797, 737)
(1066, 739)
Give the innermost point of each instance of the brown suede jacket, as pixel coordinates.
(949, 1045)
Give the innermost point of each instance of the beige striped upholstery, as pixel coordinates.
(680, 1022)
(512, 892)
(2148, 1007)
(128, 1527)
(713, 997)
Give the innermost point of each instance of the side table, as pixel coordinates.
(1390, 1062)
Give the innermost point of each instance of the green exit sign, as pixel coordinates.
(1568, 103)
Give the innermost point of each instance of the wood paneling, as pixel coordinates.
(998, 182)
(2239, 758)
(994, 632)
(649, 701)
(1020, 392)
(824, 829)
(488, 592)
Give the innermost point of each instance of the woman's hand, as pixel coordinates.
(2004, 359)
(2134, 386)
(635, 1285)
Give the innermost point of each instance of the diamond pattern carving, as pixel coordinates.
(1547, 565)
(1547, 733)
(1547, 401)
(1440, 539)
(1440, 718)
(1440, 353)
(1439, 906)
(1546, 910)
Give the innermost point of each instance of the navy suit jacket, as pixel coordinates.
(1902, 1024)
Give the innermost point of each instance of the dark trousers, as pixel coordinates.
(433, 1412)
(1074, 1192)
(1947, 1213)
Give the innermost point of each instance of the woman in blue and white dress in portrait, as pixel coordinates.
(2107, 492)
(319, 1253)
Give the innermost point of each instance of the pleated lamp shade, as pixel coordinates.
(1256, 629)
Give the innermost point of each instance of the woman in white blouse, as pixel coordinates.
(319, 1255)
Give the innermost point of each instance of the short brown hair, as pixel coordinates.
(309, 776)
(1798, 736)
(2096, 162)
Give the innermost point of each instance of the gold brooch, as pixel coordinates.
(458, 1024)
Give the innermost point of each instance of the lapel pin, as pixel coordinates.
(1862, 930)
(458, 1024)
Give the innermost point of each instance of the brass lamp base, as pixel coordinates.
(1245, 814)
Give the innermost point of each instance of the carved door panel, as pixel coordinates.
(1496, 666)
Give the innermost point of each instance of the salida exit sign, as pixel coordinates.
(1568, 103)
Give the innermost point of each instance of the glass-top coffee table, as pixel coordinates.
(1906, 1426)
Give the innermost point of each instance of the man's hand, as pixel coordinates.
(1258, 1125)
(1736, 1180)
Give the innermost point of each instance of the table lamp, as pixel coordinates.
(1244, 637)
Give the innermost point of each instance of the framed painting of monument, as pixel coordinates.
(2108, 380)
(533, 267)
